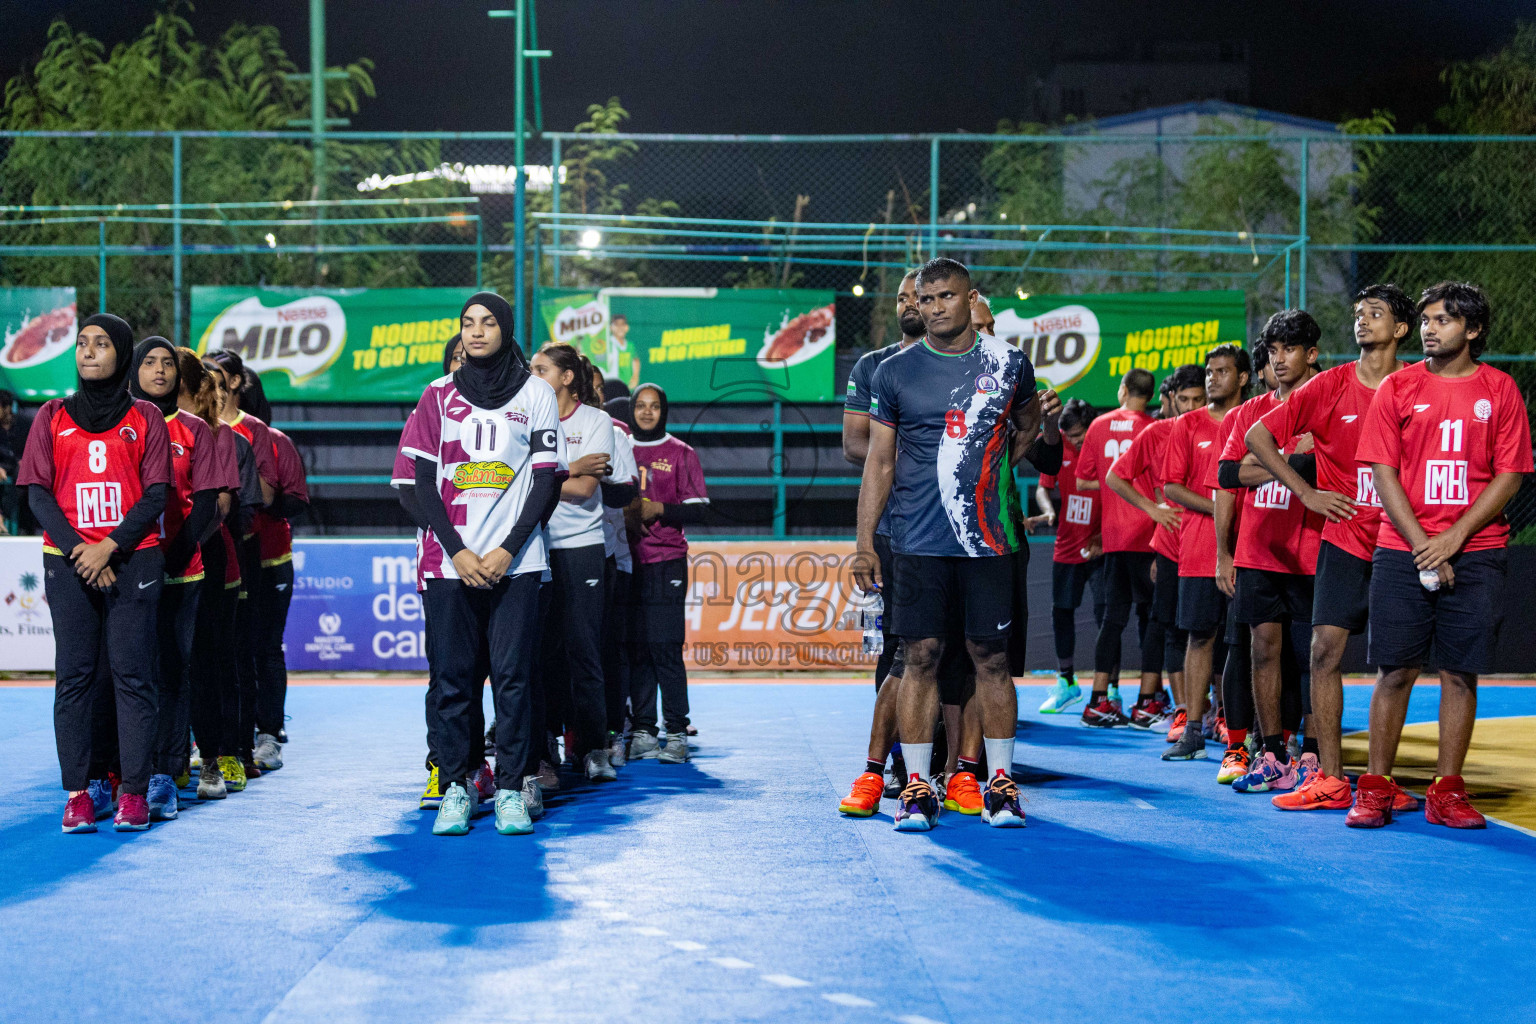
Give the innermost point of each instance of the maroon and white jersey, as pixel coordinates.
(97, 478)
(670, 473)
(485, 461)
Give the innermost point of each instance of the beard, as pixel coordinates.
(911, 324)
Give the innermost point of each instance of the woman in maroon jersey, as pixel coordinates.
(98, 471)
(191, 515)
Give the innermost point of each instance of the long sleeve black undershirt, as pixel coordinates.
(288, 506)
(144, 514)
(541, 492)
(205, 506)
(45, 507)
(1305, 465)
(1046, 458)
(685, 513)
(618, 495)
(412, 507)
(429, 504)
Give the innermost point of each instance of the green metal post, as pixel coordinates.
(554, 201)
(176, 234)
(933, 198)
(519, 210)
(533, 44)
(1301, 286)
(780, 503)
(1287, 303)
(317, 104)
(101, 266)
(479, 251)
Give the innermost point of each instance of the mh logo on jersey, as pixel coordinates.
(1445, 482)
(495, 475)
(1365, 488)
(1273, 495)
(1079, 509)
(986, 384)
(99, 504)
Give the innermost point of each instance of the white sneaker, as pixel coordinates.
(616, 755)
(268, 753)
(533, 797)
(643, 745)
(598, 768)
(676, 751)
(210, 782)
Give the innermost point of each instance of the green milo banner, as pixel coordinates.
(334, 345)
(1082, 345)
(704, 344)
(37, 358)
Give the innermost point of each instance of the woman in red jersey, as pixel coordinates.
(190, 515)
(98, 471)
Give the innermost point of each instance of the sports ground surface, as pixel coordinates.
(730, 890)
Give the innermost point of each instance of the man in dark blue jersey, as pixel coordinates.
(952, 404)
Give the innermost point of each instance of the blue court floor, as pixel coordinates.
(731, 890)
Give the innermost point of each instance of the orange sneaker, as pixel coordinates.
(1320, 793)
(1402, 800)
(1234, 765)
(1180, 723)
(963, 794)
(864, 799)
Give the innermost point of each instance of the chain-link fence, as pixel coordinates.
(1289, 219)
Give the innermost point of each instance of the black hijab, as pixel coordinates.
(489, 382)
(166, 405)
(660, 430)
(449, 349)
(98, 405)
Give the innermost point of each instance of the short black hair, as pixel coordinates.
(1240, 358)
(1139, 383)
(942, 268)
(613, 388)
(1076, 413)
(1465, 302)
(1290, 327)
(1187, 376)
(1396, 300)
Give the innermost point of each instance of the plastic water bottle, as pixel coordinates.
(873, 621)
(1429, 579)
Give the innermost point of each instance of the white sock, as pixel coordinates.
(917, 757)
(999, 755)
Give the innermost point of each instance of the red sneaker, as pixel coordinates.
(1147, 713)
(132, 813)
(1402, 800)
(1221, 730)
(1180, 723)
(1373, 802)
(1447, 803)
(80, 813)
(484, 781)
(1320, 792)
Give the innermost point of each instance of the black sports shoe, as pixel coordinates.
(895, 779)
(917, 808)
(1000, 804)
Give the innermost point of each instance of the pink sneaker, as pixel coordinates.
(485, 783)
(80, 813)
(132, 813)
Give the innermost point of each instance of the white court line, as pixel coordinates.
(731, 963)
(846, 999)
(786, 981)
(1137, 801)
(915, 1018)
(648, 929)
(687, 946)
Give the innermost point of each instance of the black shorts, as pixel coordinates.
(1128, 577)
(1343, 593)
(936, 593)
(1202, 606)
(1165, 592)
(1451, 628)
(1267, 596)
(1069, 579)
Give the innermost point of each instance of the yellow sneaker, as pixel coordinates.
(233, 772)
(432, 796)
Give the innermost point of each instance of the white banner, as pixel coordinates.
(26, 627)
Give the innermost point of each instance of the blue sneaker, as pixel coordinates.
(512, 814)
(162, 798)
(1063, 695)
(1267, 774)
(103, 797)
(454, 812)
(917, 808)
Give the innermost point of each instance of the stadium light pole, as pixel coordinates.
(520, 197)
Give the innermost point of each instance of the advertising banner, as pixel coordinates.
(355, 607)
(335, 345)
(26, 626)
(1082, 345)
(703, 344)
(37, 356)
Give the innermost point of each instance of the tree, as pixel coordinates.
(165, 79)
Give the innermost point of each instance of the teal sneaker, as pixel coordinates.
(454, 812)
(511, 814)
(1063, 695)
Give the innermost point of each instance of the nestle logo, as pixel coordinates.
(291, 314)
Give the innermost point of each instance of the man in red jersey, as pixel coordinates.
(1276, 553)
(1127, 548)
(1448, 441)
(1188, 464)
(1142, 465)
(1331, 407)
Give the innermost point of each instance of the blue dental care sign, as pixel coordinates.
(355, 607)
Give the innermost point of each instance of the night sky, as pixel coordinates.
(823, 65)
